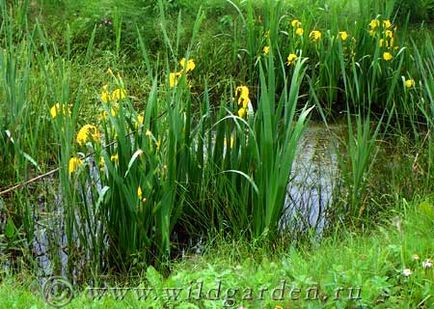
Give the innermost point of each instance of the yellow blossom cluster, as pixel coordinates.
(112, 99)
(88, 133)
(375, 25)
(74, 164)
(385, 34)
(296, 25)
(116, 95)
(243, 100)
(187, 66)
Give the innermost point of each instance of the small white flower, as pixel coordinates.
(406, 272)
(427, 264)
(415, 257)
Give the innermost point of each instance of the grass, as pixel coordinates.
(372, 261)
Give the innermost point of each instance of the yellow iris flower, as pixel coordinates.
(116, 95)
(105, 94)
(87, 132)
(299, 31)
(115, 158)
(291, 59)
(243, 98)
(295, 23)
(374, 24)
(387, 56)
(389, 33)
(73, 164)
(266, 50)
(315, 35)
(410, 83)
(139, 121)
(387, 24)
(343, 35)
(187, 65)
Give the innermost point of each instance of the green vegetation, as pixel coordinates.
(374, 263)
(157, 124)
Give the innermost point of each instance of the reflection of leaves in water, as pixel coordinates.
(313, 178)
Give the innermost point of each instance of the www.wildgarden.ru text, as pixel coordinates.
(197, 291)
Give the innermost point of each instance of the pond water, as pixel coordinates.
(313, 179)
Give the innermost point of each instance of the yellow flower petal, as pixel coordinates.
(59, 110)
(266, 50)
(105, 94)
(292, 58)
(139, 121)
(242, 112)
(374, 24)
(299, 31)
(295, 23)
(315, 35)
(387, 56)
(118, 94)
(139, 193)
(343, 35)
(410, 83)
(115, 158)
(389, 33)
(387, 24)
(173, 79)
(187, 65)
(243, 93)
(54, 109)
(73, 164)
